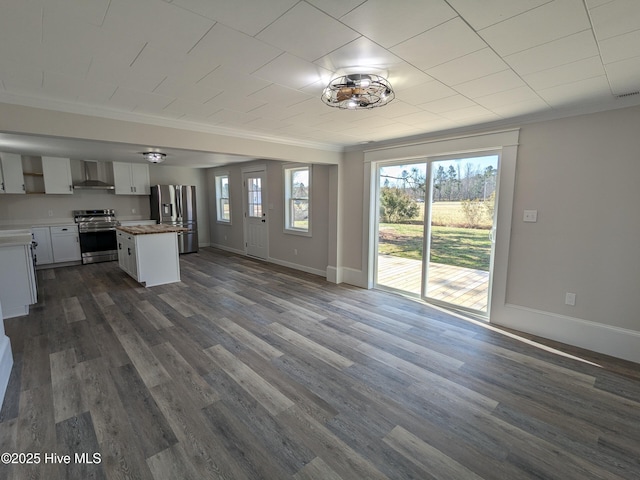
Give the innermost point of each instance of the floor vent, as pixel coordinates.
(630, 94)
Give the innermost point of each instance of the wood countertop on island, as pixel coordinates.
(150, 229)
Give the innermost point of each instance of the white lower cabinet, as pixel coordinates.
(65, 243)
(17, 280)
(127, 254)
(44, 252)
(150, 259)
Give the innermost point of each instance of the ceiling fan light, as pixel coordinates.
(357, 92)
(154, 157)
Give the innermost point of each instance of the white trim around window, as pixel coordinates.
(223, 199)
(297, 199)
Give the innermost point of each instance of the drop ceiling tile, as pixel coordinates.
(290, 71)
(624, 76)
(554, 54)
(568, 73)
(274, 112)
(180, 88)
(419, 118)
(247, 16)
(157, 63)
(488, 12)
(313, 106)
(469, 67)
(529, 107)
(540, 25)
(230, 101)
(494, 83)
(231, 80)
(403, 76)
(397, 108)
(454, 102)
(426, 92)
(441, 44)
(335, 8)
(307, 32)
(23, 79)
(361, 52)
(231, 117)
(20, 22)
(267, 124)
(390, 23)
(280, 96)
(473, 111)
(596, 3)
(60, 87)
(95, 92)
(517, 95)
(577, 93)
(621, 47)
(127, 99)
(224, 46)
(615, 18)
(91, 11)
(163, 25)
(185, 107)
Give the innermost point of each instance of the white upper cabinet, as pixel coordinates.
(57, 175)
(12, 177)
(131, 178)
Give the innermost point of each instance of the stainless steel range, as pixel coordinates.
(97, 232)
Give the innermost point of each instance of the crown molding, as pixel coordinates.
(93, 111)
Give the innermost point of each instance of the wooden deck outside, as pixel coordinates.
(464, 287)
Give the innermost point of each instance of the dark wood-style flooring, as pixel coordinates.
(246, 370)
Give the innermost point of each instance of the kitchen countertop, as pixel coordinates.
(150, 229)
(15, 237)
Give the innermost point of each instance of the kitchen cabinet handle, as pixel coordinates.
(23, 189)
(129, 250)
(65, 229)
(71, 188)
(119, 246)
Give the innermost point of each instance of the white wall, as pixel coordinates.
(312, 251)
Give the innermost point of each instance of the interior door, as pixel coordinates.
(255, 214)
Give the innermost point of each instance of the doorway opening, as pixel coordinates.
(436, 228)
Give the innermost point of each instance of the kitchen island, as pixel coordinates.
(149, 253)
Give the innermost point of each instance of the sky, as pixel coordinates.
(479, 162)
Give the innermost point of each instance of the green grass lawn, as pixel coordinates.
(462, 247)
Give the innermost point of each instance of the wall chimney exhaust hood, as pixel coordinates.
(91, 178)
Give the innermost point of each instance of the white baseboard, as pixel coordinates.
(6, 362)
(296, 266)
(615, 341)
(334, 275)
(19, 311)
(227, 249)
(354, 277)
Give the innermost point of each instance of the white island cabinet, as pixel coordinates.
(17, 275)
(149, 253)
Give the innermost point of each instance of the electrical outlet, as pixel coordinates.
(295, 251)
(530, 216)
(570, 299)
(51, 213)
(133, 210)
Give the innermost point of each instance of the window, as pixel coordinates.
(223, 207)
(297, 192)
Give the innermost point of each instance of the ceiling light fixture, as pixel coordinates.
(358, 91)
(154, 157)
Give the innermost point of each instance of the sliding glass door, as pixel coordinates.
(436, 227)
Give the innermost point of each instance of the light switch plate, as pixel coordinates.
(530, 216)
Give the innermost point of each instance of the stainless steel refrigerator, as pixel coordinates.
(176, 205)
